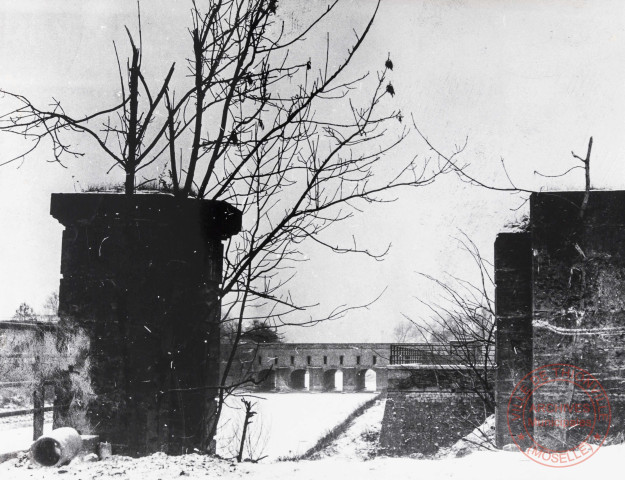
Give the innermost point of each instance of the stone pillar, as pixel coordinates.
(579, 301)
(513, 300)
(141, 278)
(381, 379)
(315, 376)
(350, 380)
(283, 378)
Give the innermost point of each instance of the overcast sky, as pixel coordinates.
(526, 81)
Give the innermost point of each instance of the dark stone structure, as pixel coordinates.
(561, 299)
(284, 366)
(513, 309)
(141, 278)
(424, 422)
(426, 410)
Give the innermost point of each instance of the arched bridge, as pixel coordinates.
(322, 367)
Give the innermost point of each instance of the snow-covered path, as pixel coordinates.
(360, 440)
(287, 424)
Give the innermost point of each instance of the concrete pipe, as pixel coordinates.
(56, 448)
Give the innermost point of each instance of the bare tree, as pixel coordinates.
(460, 335)
(247, 420)
(295, 141)
(130, 133)
(24, 313)
(51, 306)
(406, 331)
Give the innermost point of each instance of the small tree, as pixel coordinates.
(24, 313)
(261, 332)
(406, 331)
(51, 305)
(463, 325)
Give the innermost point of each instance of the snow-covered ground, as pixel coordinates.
(16, 433)
(476, 466)
(360, 441)
(286, 424)
(349, 456)
(18, 438)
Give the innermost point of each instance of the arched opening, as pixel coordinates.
(266, 380)
(371, 381)
(299, 380)
(333, 381)
(338, 381)
(366, 380)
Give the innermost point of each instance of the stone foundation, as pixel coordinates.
(424, 413)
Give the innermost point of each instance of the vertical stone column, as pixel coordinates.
(283, 377)
(350, 380)
(579, 300)
(513, 301)
(315, 379)
(381, 379)
(141, 278)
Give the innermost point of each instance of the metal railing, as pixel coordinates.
(436, 354)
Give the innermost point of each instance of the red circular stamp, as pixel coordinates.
(558, 415)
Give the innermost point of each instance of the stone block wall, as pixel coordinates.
(513, 308)
(577, 292)
(423, 422)
(141, 277)
(426, 409)
(318, 359)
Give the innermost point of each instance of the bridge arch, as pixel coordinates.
(298, 380)
(333, 380)
(366, 380)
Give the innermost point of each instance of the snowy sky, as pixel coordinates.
(527, 81)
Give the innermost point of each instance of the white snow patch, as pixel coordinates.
(286, 424)
(481, 438)
(361, 439)
(477, 466)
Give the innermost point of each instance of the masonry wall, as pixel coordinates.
(579, 294)
(576, 292)
(274, 364)
(424, 413)
(140, 280)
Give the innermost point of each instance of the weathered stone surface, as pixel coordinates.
(141, 279)
(275, 363)
(418, 379)
(424, 422)
(577, 288)
(90, 443)
(579, 306)
(513, 308)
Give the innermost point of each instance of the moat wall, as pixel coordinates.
(425, 411)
